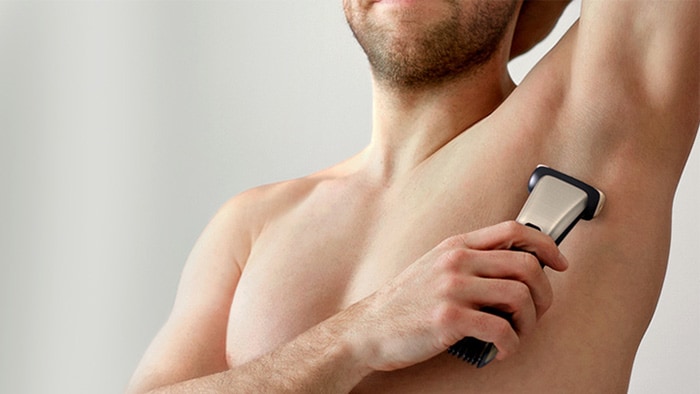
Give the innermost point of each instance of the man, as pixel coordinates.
(359, 277)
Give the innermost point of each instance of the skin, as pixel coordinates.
(429, 43)
(357, 278)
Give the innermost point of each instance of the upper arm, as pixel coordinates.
(192, 342)
(635, 75)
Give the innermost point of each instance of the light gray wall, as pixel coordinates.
(123, 127)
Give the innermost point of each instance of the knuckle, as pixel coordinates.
(516, 295)
(449, 285)
(453, 259)
(521, 294)
(501, 329)
(445, 315)
(529, 264)
(506, 339)
(513, 228)
(452, 242)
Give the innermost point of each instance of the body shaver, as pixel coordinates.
(556, 203)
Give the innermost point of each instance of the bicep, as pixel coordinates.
(192, 343)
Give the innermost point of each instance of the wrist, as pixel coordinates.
(346, 344)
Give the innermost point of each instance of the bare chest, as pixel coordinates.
(340, 245)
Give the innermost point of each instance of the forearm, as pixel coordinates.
(319, 360)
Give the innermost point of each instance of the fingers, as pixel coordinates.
(478, 324)
(501, 278)
(519, 268)
(510, 235)
(512, 300)
(452, 323)
(508, 299)
(491, 328)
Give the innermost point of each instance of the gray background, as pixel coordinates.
(125, 125)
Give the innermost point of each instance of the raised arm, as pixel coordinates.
(617, 101)
(624, 83)
(635, 75)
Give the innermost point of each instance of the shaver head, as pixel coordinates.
(595, 200)
(557, 201)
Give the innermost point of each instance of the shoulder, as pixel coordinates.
(244, 216)
(266, 202)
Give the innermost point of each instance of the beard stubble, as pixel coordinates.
(431, 55)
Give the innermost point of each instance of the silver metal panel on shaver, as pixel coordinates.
(553, 206)
(596, 198)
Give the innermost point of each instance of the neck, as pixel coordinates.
(409, 126)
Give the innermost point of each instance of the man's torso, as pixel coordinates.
(335, 238)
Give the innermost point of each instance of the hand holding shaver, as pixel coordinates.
(556, 203)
